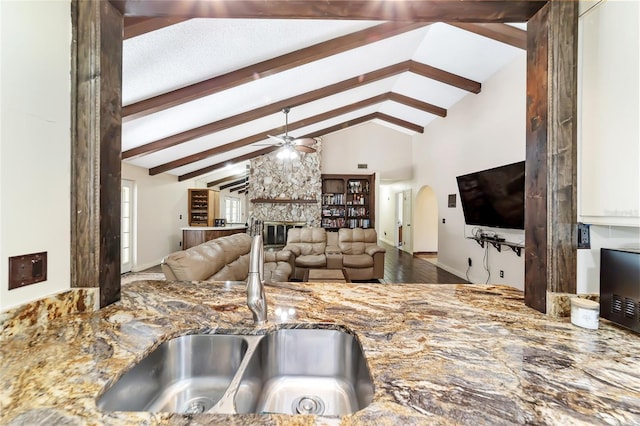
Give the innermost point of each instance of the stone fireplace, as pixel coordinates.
(274, 234)
(285, 193)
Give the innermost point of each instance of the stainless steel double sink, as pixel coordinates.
(289, 371)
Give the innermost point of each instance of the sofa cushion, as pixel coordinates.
(309, 241)
(356, 241)
(196, 263)
(207, 259)
(234, 246)
(357, 261)
(279, 271)
(236, 270)
(311, 261)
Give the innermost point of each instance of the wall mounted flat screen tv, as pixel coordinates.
(494, 197)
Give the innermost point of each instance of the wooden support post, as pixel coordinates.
(551, 154)
(96, 147)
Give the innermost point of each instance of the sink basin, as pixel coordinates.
(297, 371)
(188, 374)
(309, 371)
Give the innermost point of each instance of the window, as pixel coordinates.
(232, 209)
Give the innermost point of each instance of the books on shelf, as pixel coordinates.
(328, 199)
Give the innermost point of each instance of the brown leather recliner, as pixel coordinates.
(308, 246)
(362, 257)
(224, 259)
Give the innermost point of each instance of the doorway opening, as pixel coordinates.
(425, 241)
(126, 229)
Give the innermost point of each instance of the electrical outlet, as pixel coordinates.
(469, 261)
(501, 274)
(27, 269)
(583, 236)
(444, 220)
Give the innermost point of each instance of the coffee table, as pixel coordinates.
(327, 275)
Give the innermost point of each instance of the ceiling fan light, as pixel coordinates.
(282, 154)
(292, 154)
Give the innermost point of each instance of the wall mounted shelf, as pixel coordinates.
(281, 201)
(517, 248)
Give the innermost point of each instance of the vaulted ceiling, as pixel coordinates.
(202, 92)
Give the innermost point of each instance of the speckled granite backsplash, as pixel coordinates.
(438, 355)
(40, 312)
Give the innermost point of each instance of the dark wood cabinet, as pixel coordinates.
(348, 201)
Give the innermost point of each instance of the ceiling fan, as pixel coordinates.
(289, 143)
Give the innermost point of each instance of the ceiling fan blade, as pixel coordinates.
(281, 140)
(304, 141)
(304, 148)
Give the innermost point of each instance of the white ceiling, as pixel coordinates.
(199, 49)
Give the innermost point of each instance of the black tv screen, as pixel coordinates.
(494, 197)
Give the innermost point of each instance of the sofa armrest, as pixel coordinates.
(334, 257)
(278, 256)
(371, 250)
(293, 249)
(168, 273)
(332, 250)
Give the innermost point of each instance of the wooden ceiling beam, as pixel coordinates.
(222, 164)
(341, 126)
(313, 95)
(399, 122)
(292, 126)
(239, 188)
(445, 77)
(364, 119)
(135, 26)
(225, 179)
(266, 68)
(418, 104)
(242, 181)
(406, 10)
(315, 134)
(503, 33)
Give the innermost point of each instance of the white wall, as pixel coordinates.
(368, 143)
(482, 131)
(160, 200)
(35, 142)
(588, 274)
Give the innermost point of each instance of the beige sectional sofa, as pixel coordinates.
(354, 250)
(225, 259)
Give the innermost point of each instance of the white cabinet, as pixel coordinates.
(609, 114)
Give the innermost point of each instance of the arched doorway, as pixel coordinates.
(425, 221)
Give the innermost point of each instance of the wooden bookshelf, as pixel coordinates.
(348, 201)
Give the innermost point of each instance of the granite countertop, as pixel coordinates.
(438, 354)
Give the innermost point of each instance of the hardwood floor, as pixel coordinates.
(401, 267)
